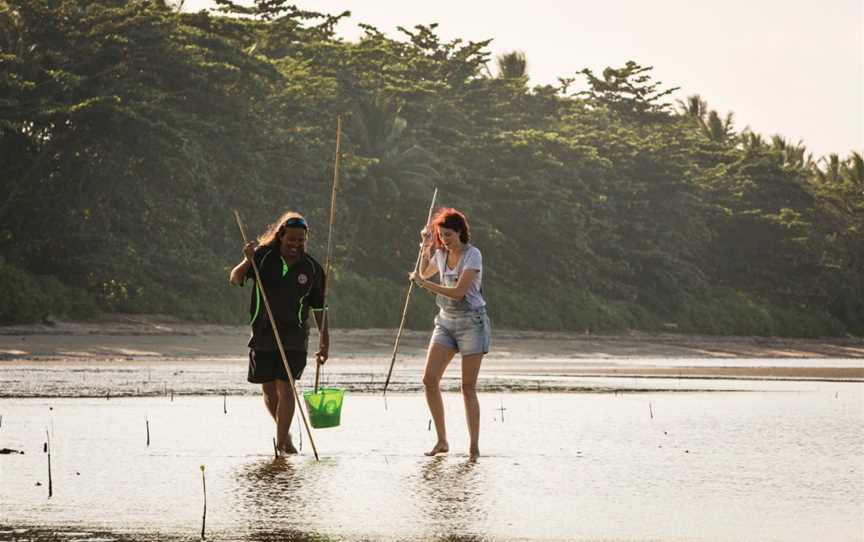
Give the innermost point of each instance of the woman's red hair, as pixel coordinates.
(450, 218)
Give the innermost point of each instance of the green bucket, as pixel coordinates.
(325, 407)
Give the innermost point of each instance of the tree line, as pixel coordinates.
(130, 130)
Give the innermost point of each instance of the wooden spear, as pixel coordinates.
(330, 239)
(408, 297)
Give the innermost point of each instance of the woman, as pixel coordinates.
(294, 283)
(461, 324)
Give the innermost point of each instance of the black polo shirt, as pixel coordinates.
(291, 290)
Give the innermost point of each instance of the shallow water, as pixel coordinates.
(783, 463)
(218, 376)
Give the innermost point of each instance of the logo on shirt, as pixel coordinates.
(302, 278)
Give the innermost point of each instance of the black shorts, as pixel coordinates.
(267, 366)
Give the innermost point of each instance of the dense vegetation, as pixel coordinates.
(129, 131)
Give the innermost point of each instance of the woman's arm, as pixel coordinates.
(456, 292)
(428, 268)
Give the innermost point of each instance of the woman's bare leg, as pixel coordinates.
(437, 358)
(470, 371)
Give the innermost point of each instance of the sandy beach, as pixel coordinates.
(142, 339)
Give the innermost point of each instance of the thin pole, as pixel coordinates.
(408, 297)
(278, 339)
(330, 237)
(48, 449)
(204, 515)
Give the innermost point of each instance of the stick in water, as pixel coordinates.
(204, 517)
(278, 340)
(147, 424)
(408, 298)
(48, 449)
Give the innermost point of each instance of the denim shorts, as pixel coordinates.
(468, 332)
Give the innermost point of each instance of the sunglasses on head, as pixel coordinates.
(296, 222)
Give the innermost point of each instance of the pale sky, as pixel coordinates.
(794, 68)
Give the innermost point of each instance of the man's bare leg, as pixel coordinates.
(271, 399)
(284, 417)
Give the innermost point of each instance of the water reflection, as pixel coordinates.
(277, 500)
(360, 494)
(284, 535)
(451, 499)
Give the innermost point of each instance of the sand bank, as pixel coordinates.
(154, 339)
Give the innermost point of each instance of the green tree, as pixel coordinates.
(512, 65)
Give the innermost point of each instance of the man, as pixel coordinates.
(294, 284)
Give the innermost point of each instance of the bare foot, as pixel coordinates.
(439, 448)
(474, 453)
(287, 448)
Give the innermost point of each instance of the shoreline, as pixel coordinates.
(154, 340)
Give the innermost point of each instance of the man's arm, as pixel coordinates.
(238, 274)
(323, 324)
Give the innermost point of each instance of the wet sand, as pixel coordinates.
(154, 339)
(625, 463)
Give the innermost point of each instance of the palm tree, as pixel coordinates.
(707, 121)
(854, 171)
(391, 170)
(512, 65)
(843, 178)
(717, 129)
(840, 183)
(379, 134)
(794, 155)
(694, 107)
(750, 140)
(829, 170)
